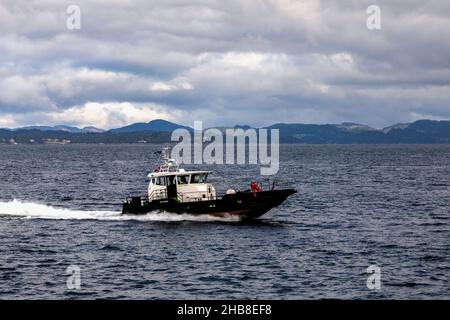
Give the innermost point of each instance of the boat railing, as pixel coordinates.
(141, 201)
(158, 194)
(195, 196)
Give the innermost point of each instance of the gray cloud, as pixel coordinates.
(224, 62)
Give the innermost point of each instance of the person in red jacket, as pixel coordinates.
(255, 188)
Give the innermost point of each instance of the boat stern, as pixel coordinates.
(133, 205)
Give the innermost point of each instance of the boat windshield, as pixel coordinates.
(199, 178)
(160, 181)
(183, 179)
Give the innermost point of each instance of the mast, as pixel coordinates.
(167, 164)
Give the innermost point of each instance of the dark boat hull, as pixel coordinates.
(243, 204)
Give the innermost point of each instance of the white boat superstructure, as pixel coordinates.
(170, 181)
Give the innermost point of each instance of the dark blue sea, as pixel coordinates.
(356, 206)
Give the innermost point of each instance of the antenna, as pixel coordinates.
(164, 162)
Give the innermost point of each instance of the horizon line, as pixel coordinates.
(81, 127)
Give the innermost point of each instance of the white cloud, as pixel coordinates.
(19, 93)
(7, 121)
(175, 85)
(111, 114)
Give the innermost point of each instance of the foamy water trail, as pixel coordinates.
(33, 210)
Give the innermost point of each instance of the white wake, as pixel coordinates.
(33, 210)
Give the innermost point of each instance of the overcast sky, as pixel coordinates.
(224, 62)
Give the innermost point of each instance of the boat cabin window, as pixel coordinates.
(160, 181)
(199, 178)
(183, 179)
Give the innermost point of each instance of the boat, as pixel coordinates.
(175, 190)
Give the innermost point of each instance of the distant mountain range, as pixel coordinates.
(62, 128)
(159, 131)
(152, 126)
(422, 131)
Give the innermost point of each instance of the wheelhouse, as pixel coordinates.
(185, 186)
